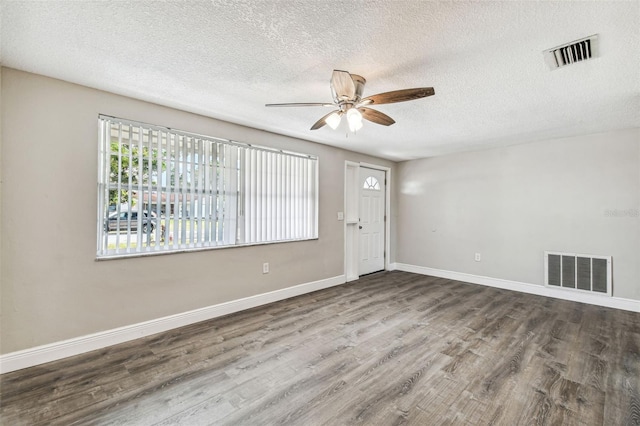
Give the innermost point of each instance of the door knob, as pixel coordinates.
(359, 226)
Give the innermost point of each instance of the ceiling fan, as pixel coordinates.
(347, 90)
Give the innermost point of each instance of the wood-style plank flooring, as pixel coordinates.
(391, 348)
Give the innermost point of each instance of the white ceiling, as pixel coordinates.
(226, 59)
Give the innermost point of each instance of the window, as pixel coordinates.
(371, 183)
(162, 190)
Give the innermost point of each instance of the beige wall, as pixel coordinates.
(512, 204)
(1, 198)
(52, 286)
(509, 204)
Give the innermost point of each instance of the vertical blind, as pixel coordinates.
(163, 190)
(276, 205)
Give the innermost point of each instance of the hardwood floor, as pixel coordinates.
(391, 348)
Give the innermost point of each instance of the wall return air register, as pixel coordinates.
(581, 272)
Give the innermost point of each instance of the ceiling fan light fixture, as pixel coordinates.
(354, 117)
(347, 90)
(333, 120)
(355, 126)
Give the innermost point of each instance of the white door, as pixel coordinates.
(371, 223)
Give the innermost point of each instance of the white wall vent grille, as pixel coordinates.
(576, 51)
(582, 272)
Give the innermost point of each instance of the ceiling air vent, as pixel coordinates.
(576, 51)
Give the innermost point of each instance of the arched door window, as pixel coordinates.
(371, 183)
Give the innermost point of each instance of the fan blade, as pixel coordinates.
(322, 121)
(301, 105)
(376, 116)
(342, 85)
(398, 96)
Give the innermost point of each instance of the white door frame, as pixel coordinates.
(351, 215)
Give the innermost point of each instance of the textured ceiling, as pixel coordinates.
(226, 59)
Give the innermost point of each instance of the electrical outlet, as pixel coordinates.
(340, 215)
(478, 257)
(265, 268)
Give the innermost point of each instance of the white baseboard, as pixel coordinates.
(58, 350)
(540, 290)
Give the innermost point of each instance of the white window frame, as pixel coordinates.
(251, 195)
